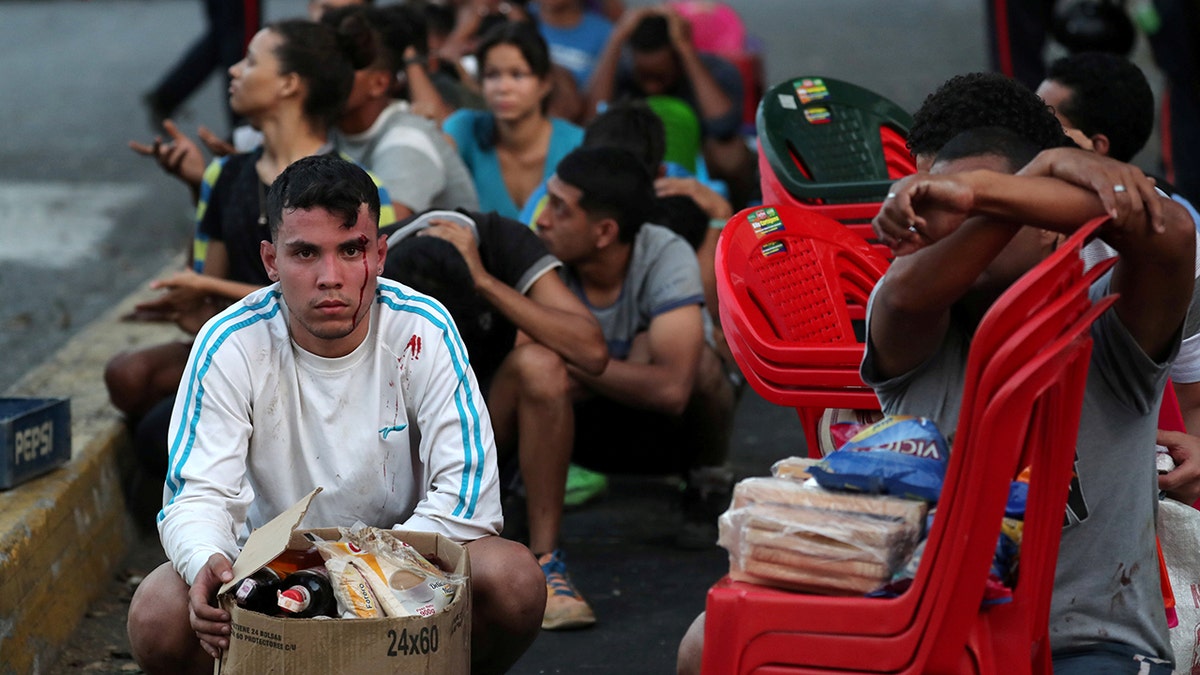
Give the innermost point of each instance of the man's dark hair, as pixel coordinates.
(614, 185)
(1110, 96)
(983, 100)
(999, 141)
(439, 19)
(683, 216)
(325, 58)
(393, 28)
(322, 181)
(631, 125)
(651, 34)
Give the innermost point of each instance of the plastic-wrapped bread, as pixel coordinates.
(783, 533)
(801, 579)
(819, 548)
(355, 597)
(786, 492)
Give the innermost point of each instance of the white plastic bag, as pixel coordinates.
(1179, 536)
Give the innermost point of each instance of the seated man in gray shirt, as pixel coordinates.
(663, 404)
(981, 228)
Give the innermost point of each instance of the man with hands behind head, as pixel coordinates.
(526, 332)
(663, 61)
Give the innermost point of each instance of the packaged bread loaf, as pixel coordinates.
(784, 533)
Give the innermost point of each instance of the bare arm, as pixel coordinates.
(424, 96)
(711, 100)
(564, 324)
(461, 39)
(1154, 235)
(717, 208)
(604, 77)
(912, 305)
(664, 383)
(911, 310)
(179, 156)
(549, 314)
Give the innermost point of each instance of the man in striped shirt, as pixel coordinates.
(331, 377)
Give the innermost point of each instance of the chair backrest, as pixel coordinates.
(796, 276)
(828, 141)
(792, 288)
(681, 127)
(1021, 404)
(1022, 398)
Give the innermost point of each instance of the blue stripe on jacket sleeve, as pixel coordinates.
(202, 355)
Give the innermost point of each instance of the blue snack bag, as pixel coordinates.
(900, 455)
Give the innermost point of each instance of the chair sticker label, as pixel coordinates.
(764, 221)
(811, 89)
(817, 115)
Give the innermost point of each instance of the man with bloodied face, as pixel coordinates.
(331, 377)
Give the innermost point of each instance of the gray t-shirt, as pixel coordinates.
(1106, 585)
(663, 274)
(413, 160)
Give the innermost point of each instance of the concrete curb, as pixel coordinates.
(62, 535)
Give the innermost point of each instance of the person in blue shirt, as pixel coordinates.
(576, 35)
(514, 145)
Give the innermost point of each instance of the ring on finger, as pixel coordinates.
(912, 228)
(890, 195)
(1118, 188)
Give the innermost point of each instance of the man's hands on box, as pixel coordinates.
(210, 622)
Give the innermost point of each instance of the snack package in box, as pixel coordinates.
(899, 455)
(780, 532)
(376, 575)
(438, 644)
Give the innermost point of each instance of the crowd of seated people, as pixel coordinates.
(466, 114)
(518, 152)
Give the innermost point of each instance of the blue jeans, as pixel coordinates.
(1108, 658)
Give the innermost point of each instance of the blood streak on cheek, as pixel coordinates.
(362, 241)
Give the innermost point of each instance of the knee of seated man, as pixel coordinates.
(506, 577)
(125, 376)
(540, 371)
(158, 625)
(711, 375)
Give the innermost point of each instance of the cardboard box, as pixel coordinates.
(259, 644)
(35, 437)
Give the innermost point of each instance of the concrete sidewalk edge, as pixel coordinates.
(62, 535)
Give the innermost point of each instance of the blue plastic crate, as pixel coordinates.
(35, 437)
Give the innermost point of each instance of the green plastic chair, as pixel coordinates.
(682, 127)
(827, 141)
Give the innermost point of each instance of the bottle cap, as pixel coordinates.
(294, 599)
(245, 588)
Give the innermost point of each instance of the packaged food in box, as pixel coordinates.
(439, 644)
